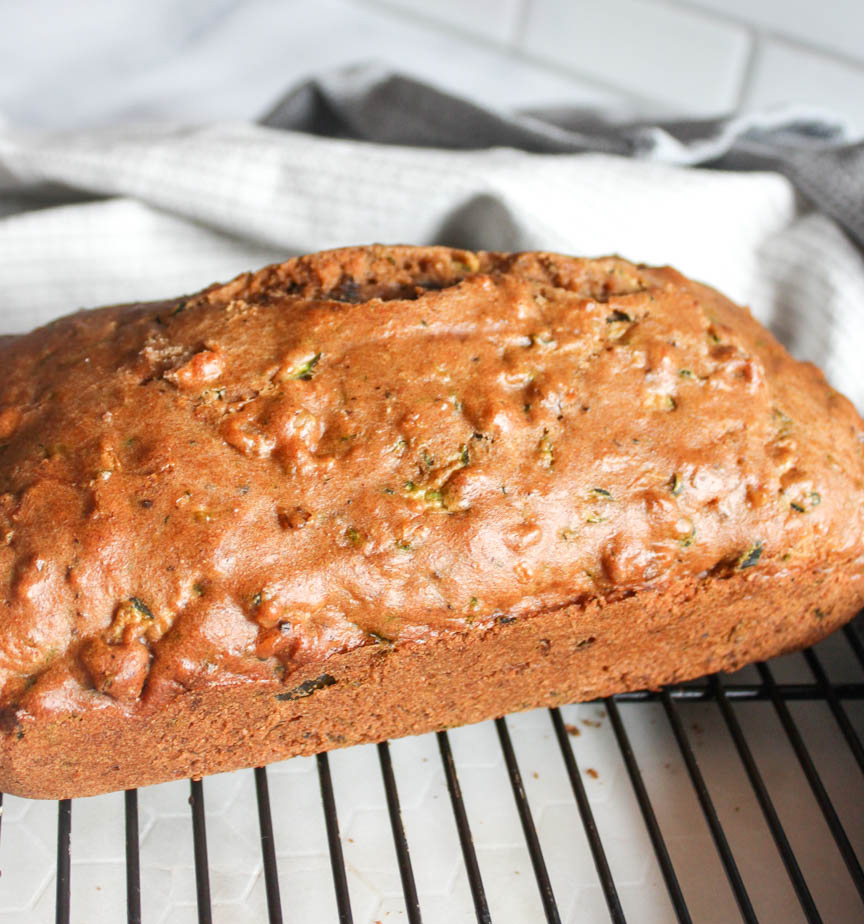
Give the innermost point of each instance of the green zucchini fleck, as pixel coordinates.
(303, 372)
(689, 539)
(430, 496)
(600, 492)
(750, 557)
(308, 687)
(353, 536)
(685, 373)
(814, 497)
(404, 546)
(676, 485)
(784, 423)
(595, 517)
(618, 315)
(546, 451)
(141, 607)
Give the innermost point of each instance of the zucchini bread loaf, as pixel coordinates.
(385, 490)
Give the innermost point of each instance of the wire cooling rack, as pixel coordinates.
(738, 798)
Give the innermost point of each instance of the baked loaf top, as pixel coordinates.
(379, 444)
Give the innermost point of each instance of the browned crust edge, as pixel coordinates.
(573, 654)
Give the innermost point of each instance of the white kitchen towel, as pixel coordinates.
(158, 211)
(138, 213)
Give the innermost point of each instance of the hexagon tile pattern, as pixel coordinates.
(28, 837)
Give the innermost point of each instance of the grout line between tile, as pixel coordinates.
(746, 77)
(766, 32)
(521, 21)
(517, 52)
(419, 17)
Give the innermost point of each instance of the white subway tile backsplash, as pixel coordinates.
(836, 25)
(784, 73)
(215, 79)
(648, 56)
(654, 50)
(489, 19)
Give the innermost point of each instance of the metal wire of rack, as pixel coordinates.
(713, 690)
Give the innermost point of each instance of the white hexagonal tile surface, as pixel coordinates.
(305, 879)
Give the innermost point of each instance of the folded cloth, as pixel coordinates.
(773, 214)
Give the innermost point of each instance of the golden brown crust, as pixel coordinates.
(394, 449)
(577, 653)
